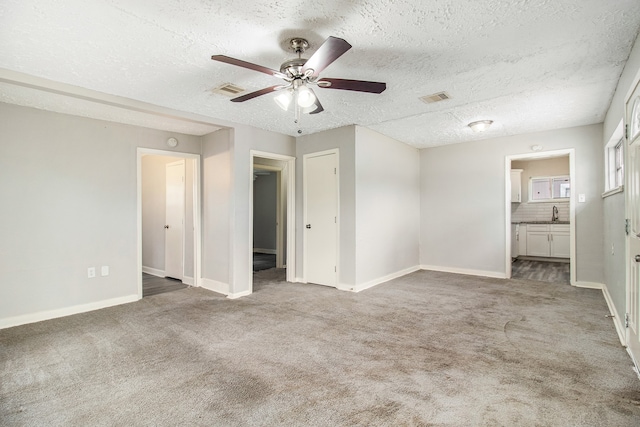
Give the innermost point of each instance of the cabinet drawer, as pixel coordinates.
(559, 228)
(537, 227)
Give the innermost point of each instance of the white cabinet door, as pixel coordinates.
(522, 240)
(560, 241)
(516, 185)
(538, 243)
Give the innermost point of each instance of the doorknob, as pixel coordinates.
(166, 226)
(637, 258)
(308, 225)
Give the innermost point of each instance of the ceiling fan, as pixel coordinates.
(300, 73)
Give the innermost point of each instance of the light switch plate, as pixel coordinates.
(581, 198)
(104, 271)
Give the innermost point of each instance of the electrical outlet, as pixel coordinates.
(613, 252)
(91, 272)
(104, 271)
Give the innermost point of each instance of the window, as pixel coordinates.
(614, 166)
(548, 188)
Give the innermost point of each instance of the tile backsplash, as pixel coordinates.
(522, 212)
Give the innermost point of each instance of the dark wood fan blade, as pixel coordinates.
(357, 85)
(317, 106)
(332, 49)
(249, 65)
(257, 93)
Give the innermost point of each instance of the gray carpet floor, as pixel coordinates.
(428, 349)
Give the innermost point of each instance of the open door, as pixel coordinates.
(632, 165)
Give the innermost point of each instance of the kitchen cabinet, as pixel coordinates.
(515, 230)
(522, 239)
(516, 185)
(548, 240)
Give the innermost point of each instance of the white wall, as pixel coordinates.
(217, 203)
(68, 186)
(387, 207)
(614, 206)
(344, 140)
(463, 201)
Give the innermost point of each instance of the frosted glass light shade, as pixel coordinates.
(284, 100)
(306, 98)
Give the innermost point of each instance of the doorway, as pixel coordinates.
(540, 233)
(272, 214)
(168, 221)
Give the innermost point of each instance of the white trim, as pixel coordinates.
(466, 271)
(239, 294)
(188, 281)
(153, 271)
(265, 251)
(383, 279)
(613, 191)
(589, 285)
(62, 312)
(215, 286)
(617, 320)
(197, 223)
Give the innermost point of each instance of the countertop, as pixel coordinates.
(539, 222)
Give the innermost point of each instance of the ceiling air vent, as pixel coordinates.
(228, 89)
(436, 97)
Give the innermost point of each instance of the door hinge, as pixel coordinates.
(626, 320)
(626, 132)
(335, 269)
(627, 226)
(335, 171)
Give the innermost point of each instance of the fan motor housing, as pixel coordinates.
(293, 67)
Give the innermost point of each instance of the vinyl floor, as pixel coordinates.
(543, 271)
(263, 261)
(153, 285)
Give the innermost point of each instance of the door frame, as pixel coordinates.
(304, 209)
(572, 204)
(197, 220)
(290, 172)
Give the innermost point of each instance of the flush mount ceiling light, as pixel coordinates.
(480, 125)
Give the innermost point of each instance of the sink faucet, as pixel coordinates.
(554, 216)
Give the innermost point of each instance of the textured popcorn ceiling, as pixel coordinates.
(529, 65)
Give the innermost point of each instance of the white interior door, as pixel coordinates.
(174, 220)
(633, 213)
(321, 219)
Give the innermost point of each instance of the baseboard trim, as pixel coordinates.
(62, 312)
(589, 285)
(153, 271)
(265, 251)
(465, 271)
(215, 286)
(383, 279)
(617, 320)
(238, 294)
(188, 281)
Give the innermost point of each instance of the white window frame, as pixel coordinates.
(554, 197)
(614, 167)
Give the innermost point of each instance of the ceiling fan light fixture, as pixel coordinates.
(305, 97)
(480, 125)
(284, 100)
